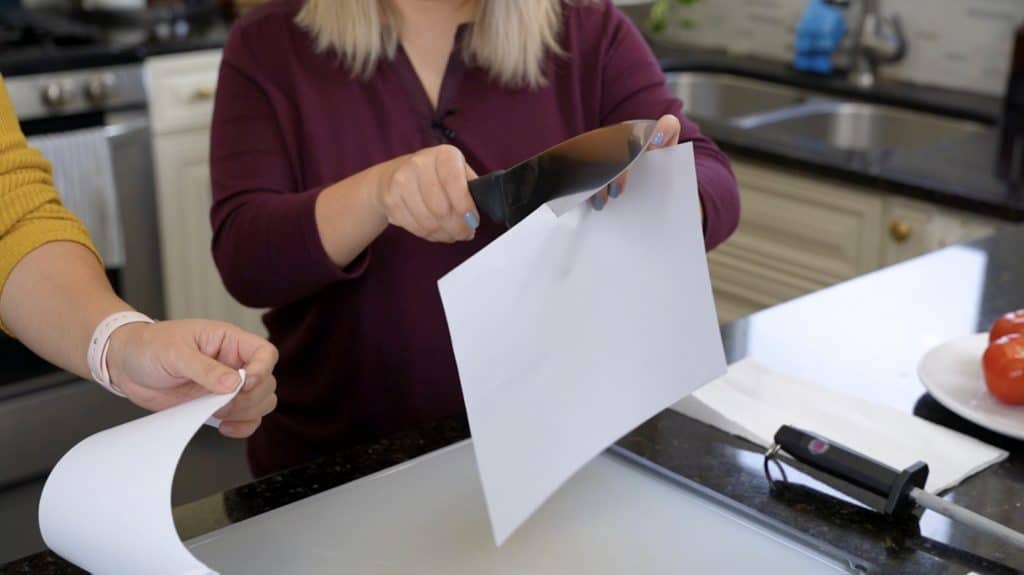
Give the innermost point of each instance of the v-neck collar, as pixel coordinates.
(447, 96)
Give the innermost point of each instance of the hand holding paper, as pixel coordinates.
(171, 362)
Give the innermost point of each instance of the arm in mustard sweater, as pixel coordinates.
(54, 292)
(36, 230)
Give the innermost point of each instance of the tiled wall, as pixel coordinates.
(960, 44)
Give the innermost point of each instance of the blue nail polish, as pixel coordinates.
(597, 202)
(472, 220)
(659, 138)
(614, 189)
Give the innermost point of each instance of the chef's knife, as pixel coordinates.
(581, 165)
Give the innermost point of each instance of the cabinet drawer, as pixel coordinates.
(181, 90)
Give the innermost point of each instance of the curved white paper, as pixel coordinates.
(106, 505)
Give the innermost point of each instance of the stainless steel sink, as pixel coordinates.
(855, 126)
(724, 97)
(808, 118)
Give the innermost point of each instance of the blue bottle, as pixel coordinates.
(819, 34)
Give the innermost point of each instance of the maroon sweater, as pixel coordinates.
(365, 350)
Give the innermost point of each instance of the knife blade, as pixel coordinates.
(569, 172)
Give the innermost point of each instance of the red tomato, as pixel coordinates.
(1004, 369)
(1012, 322)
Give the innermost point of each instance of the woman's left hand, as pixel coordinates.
(163, 364)
(666, 134)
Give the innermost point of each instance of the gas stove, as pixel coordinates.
(66, 62)
(59, 39)
(70, 67)
(21, 29)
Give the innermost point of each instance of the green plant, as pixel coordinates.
(659, 16)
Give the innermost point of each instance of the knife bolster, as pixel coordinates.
(489, 197)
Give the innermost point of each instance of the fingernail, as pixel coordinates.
(659, 138)
(472, 220)
(471, 237)
(597, 202)
(614, 189)
(229, 381)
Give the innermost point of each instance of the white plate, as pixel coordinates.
(953, 375)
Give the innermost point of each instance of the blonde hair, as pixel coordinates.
(509, 38)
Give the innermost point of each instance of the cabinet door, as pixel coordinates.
(915, 228)
(797, 234)
(192, 284)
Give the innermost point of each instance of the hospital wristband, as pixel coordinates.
(100, 344)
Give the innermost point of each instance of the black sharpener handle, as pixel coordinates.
(857, 469)
(490, 198)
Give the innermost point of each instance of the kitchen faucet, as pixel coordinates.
(876, 40)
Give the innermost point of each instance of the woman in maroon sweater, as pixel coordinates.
(343, 137)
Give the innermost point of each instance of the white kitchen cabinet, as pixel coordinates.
(800, 232)
(181, 107)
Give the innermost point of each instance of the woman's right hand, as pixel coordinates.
(427, 194)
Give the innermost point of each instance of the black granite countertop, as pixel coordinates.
(863, 337)
(959, 173)
(966, 105)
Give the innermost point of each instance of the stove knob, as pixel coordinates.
(99, 88)
(55, 95)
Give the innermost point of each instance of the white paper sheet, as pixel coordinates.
(106, 505)
(571, 331)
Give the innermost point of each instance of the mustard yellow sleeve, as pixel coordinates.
(30, 210)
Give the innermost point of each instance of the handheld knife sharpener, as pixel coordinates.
(883, 488)
(873, 483)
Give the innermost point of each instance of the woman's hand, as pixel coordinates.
(427, 194)
(666, 134)
(164, 364)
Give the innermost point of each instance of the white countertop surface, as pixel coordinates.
(428, 517)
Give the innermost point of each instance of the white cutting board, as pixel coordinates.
(428, 517)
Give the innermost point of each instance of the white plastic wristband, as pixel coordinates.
(100, 342)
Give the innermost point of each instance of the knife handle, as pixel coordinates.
(489, 197)
(857, 469)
